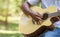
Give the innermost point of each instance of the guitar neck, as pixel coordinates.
(54, 14)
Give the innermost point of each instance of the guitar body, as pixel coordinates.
(26, 25)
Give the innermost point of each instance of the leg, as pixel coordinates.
(54, 33)
(42, 35)
(49, 34)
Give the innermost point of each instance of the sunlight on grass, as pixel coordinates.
(13, 19)
(2, 27)
(10, 19)
(12, 23)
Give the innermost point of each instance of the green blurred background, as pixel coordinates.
(9, 18)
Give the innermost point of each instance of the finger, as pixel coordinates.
(33, 21)
(38, 22)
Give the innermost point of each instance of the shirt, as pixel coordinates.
(46, 3)
(57, 24)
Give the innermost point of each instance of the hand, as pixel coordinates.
(52, 27)
(36, 17)
(37, 20)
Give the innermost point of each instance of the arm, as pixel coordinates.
(26, 9)
(51, 27)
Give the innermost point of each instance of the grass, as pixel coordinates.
(12, 23)
(11, 35)
(12, 26)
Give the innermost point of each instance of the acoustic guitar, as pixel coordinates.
(26, 25)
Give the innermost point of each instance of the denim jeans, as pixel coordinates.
(54, 33)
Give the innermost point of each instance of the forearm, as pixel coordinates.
(26, 8)
(51, 27)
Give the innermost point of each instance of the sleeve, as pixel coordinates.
(33, 2)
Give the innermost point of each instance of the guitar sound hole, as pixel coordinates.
(45, 16)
